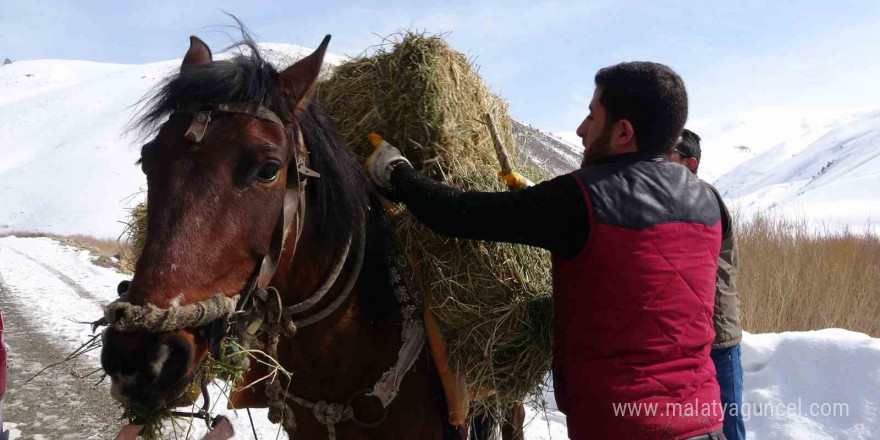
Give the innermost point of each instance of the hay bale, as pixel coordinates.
(492, 301)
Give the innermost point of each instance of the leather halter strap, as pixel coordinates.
(293, 210)
(294, 195)
(202, 117)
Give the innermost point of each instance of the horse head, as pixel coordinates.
(224, 181)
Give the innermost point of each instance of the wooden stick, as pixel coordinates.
(499, 147)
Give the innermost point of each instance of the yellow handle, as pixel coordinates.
(514, 180)
(375, 140)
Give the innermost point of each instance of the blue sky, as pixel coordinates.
(733, 55)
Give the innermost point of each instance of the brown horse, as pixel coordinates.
(226, 158)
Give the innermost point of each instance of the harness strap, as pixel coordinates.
(346, 290)
(385, 389)
(319, 294)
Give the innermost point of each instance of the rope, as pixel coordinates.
(124, 316)
(253, 428)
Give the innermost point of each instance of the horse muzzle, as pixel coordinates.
(151, 370)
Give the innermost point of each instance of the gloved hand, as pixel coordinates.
(381, 163)
(515, 181)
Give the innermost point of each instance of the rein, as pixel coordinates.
(258, 311)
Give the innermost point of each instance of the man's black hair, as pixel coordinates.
(651, 97)
(690, 146)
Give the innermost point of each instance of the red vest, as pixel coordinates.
(634, 308)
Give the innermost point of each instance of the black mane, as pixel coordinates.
(245, 78)
(340, 196)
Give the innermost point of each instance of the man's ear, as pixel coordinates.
(298, 80)
(690, 163)
(623, 134)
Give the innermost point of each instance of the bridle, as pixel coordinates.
(257, 309)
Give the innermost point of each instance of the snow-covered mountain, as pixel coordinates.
(544, 150)
(830, 176)
(819, 165)
(67, 166)
(66, 161)
(62, 139)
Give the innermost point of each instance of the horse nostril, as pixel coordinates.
(123, 287)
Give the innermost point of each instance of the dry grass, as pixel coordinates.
(492, 301)
(794, 279)
(109, 252)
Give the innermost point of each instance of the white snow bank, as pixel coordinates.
(815, 385)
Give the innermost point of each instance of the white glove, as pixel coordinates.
(381, 163)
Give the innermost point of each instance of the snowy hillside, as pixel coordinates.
(830, 176)
(545, 151)
(821, 165)
(66, 163)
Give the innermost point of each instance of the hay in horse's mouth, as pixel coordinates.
(228, 368)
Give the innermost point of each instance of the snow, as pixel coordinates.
(830, 177)
(572, 139)
(66, 160)
(828, 381)
(794, 382)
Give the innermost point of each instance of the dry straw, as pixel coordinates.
(492, 301)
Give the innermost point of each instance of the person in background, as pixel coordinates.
(633, 262)
(728, 331)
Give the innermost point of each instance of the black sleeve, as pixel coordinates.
(551, 215)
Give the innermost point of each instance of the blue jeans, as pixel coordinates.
(730, 377)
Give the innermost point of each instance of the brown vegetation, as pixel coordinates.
(794, 279)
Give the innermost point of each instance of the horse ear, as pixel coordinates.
(298, 80)
(198, 53)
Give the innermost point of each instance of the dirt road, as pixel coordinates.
(57, 404)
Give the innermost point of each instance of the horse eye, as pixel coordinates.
(268, 172)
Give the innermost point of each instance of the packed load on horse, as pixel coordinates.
(310, 292)
(491, 300)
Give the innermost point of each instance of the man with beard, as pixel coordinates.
(634, 241)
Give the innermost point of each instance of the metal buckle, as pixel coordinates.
(198, 126)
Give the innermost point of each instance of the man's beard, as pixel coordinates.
(599, 149)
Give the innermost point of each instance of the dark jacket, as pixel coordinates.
(728, 331)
